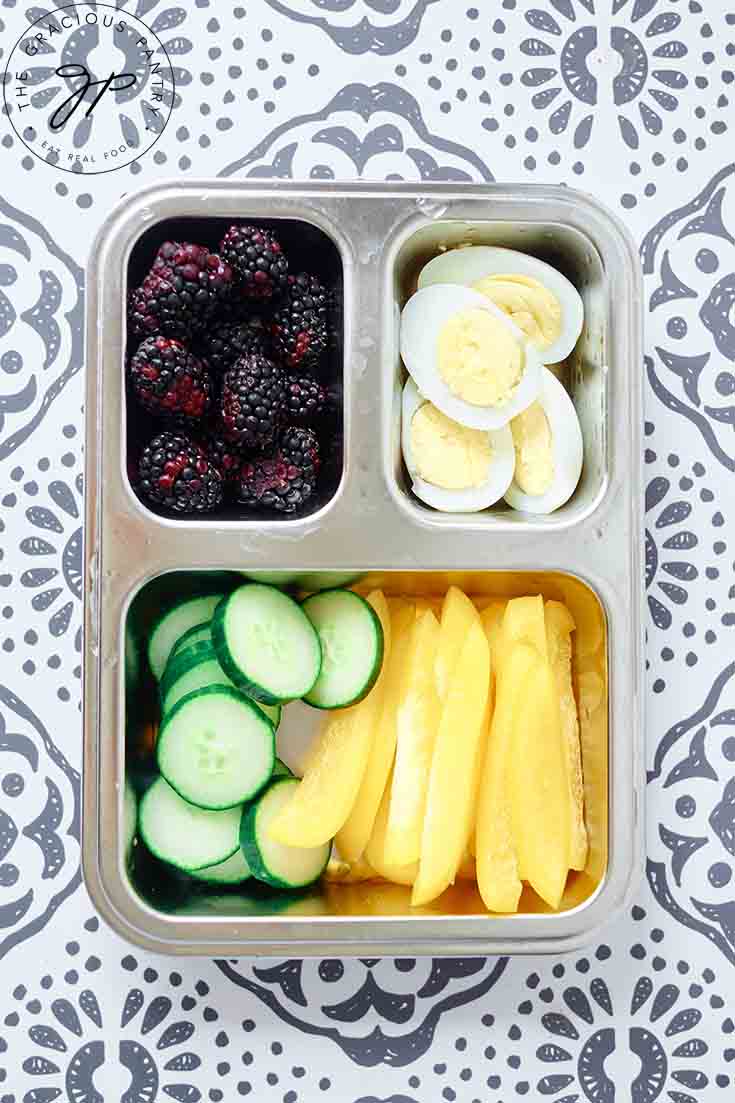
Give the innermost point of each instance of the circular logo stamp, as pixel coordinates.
(88, 90)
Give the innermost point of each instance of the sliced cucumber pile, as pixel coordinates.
(183, 835)
(216, 748)
(172, 626)
(266, 644)
(351, 639)
(286, 867)
(224, 666)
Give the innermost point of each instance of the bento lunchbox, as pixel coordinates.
(365, 526)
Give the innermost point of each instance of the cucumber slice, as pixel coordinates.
(289, 867)
(172, 625)
(266, 644)
(272, 578)
(326, 580)
(179, 665)
(198, 634)
(203, 672)
(230, 872)
(351, 639)
(216, 748)
(184, 836)
(185, 659)
(280, 769)
(208, 672)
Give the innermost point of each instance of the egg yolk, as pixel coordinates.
(478, 357)
(534, 472)
(532, 307)
(446, 453)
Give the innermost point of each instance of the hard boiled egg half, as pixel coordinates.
(467, 356)
(454, 468)
(539, 299)
(547, 441)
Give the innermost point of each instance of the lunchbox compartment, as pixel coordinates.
(584, 372)
(161, 888)
(309, 248)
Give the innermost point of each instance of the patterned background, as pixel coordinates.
(629, 99)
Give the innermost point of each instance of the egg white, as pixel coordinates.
(474, 498)
(467, 266)
(567, 449)
(422, 320)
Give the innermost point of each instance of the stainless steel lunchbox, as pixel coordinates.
(369, 524)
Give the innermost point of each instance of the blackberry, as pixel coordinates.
(300, 449)
(253, 397)
(257, 259)
(285, 481)
(306, 400)
(236, 309)
(273, 483)
(226, 456)
(174, 473)
(181, 292)
(224, 344)
(299, 327)
(167, 379)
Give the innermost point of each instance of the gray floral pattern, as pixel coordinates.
(104, 1028)
(41, 315)
(625, 1008)
(375, 131)
(42, 529)
(668, 577)
(650, 76)
(39, 823)
(383, 1011)
(360, 26)
(688, 259)
(691, 854)
(691, 604)
(573, 69)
